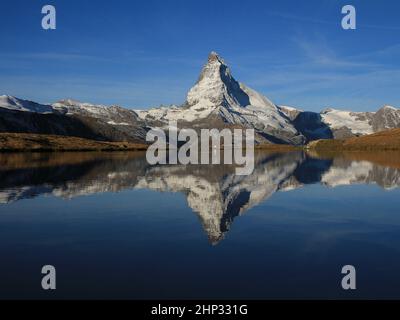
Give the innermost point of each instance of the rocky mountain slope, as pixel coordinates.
(339, 124)
(71, 118)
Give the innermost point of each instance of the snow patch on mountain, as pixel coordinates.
(357, 122)
(113, 115)
(118, 123)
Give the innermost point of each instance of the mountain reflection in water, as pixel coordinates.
(213, 192)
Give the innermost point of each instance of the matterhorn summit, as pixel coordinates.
(218, 99)
(216, 87)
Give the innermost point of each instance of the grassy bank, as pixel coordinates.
(27, 142)
(380, 141)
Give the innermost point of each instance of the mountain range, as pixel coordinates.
(217, 100)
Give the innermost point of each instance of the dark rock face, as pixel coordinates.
(386, 118)
(311, 126)
(30, 122)
(342, 133)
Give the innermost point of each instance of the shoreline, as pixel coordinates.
(31, 142)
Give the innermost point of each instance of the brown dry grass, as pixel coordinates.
(384, 140)
(277, 147)
(42, 142)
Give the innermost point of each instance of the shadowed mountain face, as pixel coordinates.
(71, 118)
(214, 193)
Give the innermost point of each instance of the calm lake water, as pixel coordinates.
(116, 227)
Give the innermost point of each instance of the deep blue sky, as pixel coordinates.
(146, 53)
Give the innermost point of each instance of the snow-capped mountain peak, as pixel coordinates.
(216, 86)
(389, 107)
(217, 96)
(13, 103)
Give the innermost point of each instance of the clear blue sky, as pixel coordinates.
(146, 53)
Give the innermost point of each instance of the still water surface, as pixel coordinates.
(116, 227)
